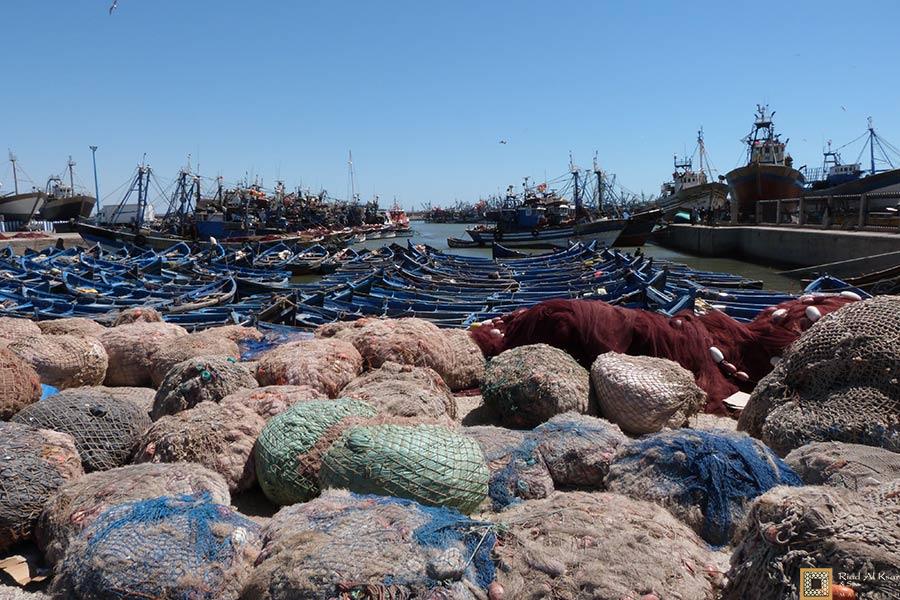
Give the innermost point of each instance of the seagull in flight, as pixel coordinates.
(503, 142)
(114, 6)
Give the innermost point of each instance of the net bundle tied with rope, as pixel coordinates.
(202, 379)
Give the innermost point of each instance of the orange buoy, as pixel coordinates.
(842, 592)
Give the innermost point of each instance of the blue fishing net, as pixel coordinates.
(510, 484)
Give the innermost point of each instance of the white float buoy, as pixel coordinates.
(779, 314)
(742, 376)
(717, 355)
(729, 367)
(813, 314)
(807, 299)
(774, 361)
(851, 295)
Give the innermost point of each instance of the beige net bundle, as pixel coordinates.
(323, 364)
(19, 384)
(14, 593)
(404, 391)
(644, 394)
(77, 503)
(272, 400)
(600, 545)
(466, 365)
(528, 385)
(792, 528)
(64, 361)
(140, 314)
(218, 437)
(235, 333)
(141, 396)
(333, 329)
(72, 326)
(12, 328)
(131, 347)
(34, 463)
(840, 381)
(204, 379)
(850, 466)
(578, 449)
(186, 347)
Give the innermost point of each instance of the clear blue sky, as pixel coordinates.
(423, 91)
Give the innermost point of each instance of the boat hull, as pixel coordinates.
(638, 229)
(21, 207)
(886, 182)
(757, 182)
(604, 232)
(707, 196)
(64, 209)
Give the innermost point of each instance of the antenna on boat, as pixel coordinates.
(96, 181)
(598, 172)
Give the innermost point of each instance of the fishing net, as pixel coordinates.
(466, 365)
(850, 466)
(530, 384)
(578, 449)
(186, 347)
(431, 464)
(344, 546)
(131, 348)
(604, 546)
(141, 396)
(218, 437)
(33, 464)
(14, 593)
(288, 453)
(792, 528)
(407, 341)
(707, 479)
(106, 429)
(643, 394)
(335, 329)
(76, 504)
(72, 326)
(141, 314)
(709, 421)
(19, 384)
(205, 379)
(168, 547)
(272, 400)
(886, 498)
(323, 364)
(837, 382)
(236, 333)
(64, 361)
(12, 328)
(404, 391)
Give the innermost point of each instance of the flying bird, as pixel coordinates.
(503, 142)
(114, 6)
(843, 109)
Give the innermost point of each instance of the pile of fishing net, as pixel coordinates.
(840, 381)
(236, 333)
(407, 341)
(140, 314)
(271, 400)
(792, 528)
(34, 463)
(196, 380)
(404, 391)
(64, 361)
(850, 466)
(12, 328)
(19, 384)
(705, 478)
(106, 428)
(186, 347)
(219, 437)
(465, 369)
(168, 547)
(587, 328)
(345, 546)
(643, 394)
(77, 503)
(600, 545)
(131, 348)
(14, 593)
(343, 444)
(72, 326)
(141, 396)
(528, 385)
(323, 364)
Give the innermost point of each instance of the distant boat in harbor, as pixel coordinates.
(20, 207)
(769, 173)
(689, 189)
(63, 202)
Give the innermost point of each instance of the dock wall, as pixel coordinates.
(784, 246)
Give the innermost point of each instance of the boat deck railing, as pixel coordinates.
(863, 212)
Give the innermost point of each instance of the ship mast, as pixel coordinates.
(13, 159)
(599, 174)
(871, 145)
(70, 164)
(702, 149)
(574, 171)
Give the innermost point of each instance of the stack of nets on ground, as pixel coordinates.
(526, 386)
(466, 365)
(272, 400)
(196, 380)
(76, 504)
(404, 391)
(570, 451)
(64, 361)
(643, 394)
(217, 436)
(323, 364)
(840, 381)
(600, 545)
(186, 347)
(79, 326)
(705, 478)
(368, 547)
(131, 348)
(587, 328)
(139, 314)
(849, 466)
(33, 464)
(792, 528)
(12, 329)
(168, 547)
(106, 428)
(342, 444)
(19, 384)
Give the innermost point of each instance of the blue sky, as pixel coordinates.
(422, 92)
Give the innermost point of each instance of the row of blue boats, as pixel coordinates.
(209, 286)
